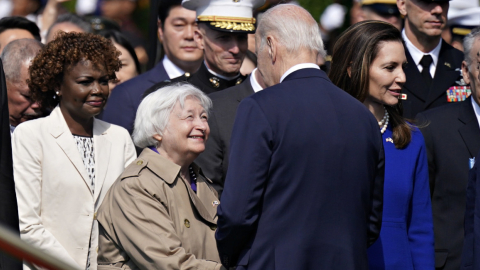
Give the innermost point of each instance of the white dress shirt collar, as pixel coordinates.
(298, 67)
(417, 55)
(253, 81)
(172, 70)
(476, 109)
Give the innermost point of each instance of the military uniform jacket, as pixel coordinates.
(203, 79)
(447, 74)
(152, 219)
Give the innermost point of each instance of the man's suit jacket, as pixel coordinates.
(8, 209)
(214, 160)
(452, 136)
(471, 245)
(419, 97)
(304, 187)
(56, 206)
(124, 100)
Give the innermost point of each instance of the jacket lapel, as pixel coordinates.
(445, 76)
(414, 79)
(470, 132)
(102, 155)
(64, 138)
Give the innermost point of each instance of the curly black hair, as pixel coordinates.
(65, 51)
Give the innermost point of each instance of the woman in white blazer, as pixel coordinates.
(65, 163)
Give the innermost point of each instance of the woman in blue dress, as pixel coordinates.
(367, 62)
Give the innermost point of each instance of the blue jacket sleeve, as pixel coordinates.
(121, 108)
(420, 220)
(250, 155)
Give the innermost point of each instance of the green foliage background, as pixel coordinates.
(315, 7)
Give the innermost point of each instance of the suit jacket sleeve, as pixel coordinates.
(250, 155)
(420, 220)
(376, 213)
(27, 165)
(212, 159)
(145, 231)
(120, 109)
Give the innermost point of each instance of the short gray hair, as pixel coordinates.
(294, 28)
(15, 54)
(72, 19)
(468, 44)
(154, 111)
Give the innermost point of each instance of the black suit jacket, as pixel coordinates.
(304, 188)
(8, 206)
(419, 97)
(452, 136)
(214, 160)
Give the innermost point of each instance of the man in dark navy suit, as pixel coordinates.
(433, 65)
(304, 187)
(452, 137)
(176, 26)
(214, 160)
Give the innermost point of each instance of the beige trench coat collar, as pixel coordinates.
(204, 200)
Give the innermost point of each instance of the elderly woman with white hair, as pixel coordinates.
(161, 213)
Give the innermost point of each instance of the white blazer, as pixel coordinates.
(56, 206)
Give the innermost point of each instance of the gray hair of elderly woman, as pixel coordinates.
(294, 28)
(468, 44)
(154, 111)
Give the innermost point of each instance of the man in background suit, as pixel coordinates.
(304, 187)
(8, 208)
(176, 26)
(214, 160)
(452, 137)
(433, 65)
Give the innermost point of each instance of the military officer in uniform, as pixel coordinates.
(223, 28)
(433, 65)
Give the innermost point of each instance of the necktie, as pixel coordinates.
(425, 62)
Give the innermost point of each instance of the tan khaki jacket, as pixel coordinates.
(152, 219)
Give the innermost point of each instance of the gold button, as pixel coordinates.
(95, 216)
(213, 227)
(140, 162)
(187, 74)
(187, 223)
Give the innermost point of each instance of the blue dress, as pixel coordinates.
(406, 238)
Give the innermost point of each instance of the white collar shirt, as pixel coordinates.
(417, 55)
(173, 71)
(253, 81)
(298, 67)
(476, 109)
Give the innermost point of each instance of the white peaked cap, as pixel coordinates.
(226, 15)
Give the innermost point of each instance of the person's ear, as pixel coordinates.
(401, 7)
(272, 49)
(160, 30)
(466, 75)
(199, 37)
(157, 137)
(349, 70)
